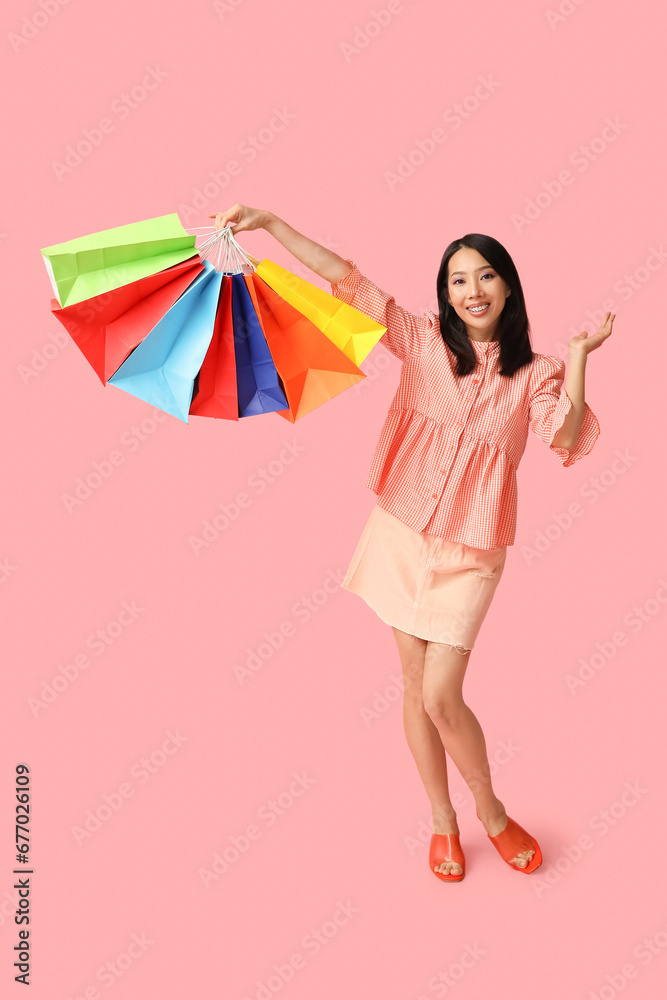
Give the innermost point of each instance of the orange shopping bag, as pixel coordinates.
(311, 368)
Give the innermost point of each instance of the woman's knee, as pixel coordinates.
(445, 709)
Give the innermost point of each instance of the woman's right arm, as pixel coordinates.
(406, 334)
(327, 264)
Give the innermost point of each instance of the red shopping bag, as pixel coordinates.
(107, 327)
(215, 393)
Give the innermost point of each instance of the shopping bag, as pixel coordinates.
(191, 337)
(162, 368)
(311, 368)
(350, 330)
(107, 327)
(84, 267)
(259, 389)
(215, 391)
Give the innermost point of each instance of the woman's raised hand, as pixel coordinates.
(324, 262)
(240, 217)
(582, 342)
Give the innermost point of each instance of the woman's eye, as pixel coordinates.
(487, 274)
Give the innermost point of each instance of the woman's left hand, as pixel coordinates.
(582, 342)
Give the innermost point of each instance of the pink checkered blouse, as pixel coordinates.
(450, 446)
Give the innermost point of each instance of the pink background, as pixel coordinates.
(341, 854)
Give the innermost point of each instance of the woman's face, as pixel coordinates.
(472, 283)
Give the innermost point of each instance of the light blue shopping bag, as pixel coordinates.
(162, 368)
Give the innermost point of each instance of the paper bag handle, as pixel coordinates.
(223, 251)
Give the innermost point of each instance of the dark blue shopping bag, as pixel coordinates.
(259, 389)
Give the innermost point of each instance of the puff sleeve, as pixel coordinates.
(549, 404)
(407, 334)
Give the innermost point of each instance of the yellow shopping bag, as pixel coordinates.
(354, 333)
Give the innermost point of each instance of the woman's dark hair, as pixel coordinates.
(513, 325)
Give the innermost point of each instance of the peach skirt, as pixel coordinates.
(422, 584)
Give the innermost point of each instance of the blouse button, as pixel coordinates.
(476, 381)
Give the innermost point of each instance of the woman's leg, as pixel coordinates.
(424, 740)
(460, 732)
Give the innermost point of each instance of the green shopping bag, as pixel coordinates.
(91, 265)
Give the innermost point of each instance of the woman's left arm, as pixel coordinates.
(580, 347)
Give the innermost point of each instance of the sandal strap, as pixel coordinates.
(446, 847)
(513, 841)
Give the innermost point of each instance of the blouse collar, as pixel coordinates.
(485, 347)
